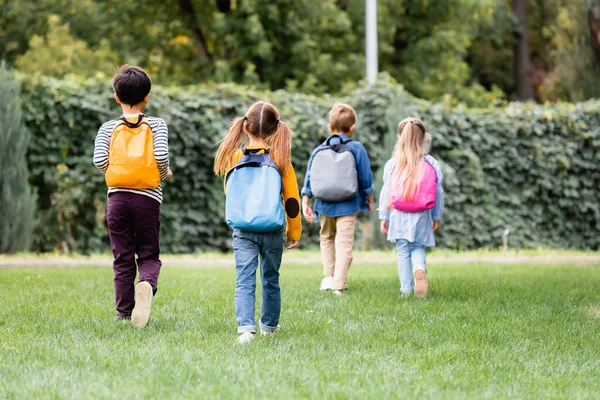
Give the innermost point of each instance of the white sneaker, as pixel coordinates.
(327, 283)
(265, 333)
(246, 338)
(143, 303)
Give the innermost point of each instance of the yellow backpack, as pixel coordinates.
(131, 162)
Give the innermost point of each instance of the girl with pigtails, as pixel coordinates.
(411, 204)
(262, 207)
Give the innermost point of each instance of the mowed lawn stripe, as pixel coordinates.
(485, 331)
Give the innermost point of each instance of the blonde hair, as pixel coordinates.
(261, 121)
(408, 154)
(341, 118)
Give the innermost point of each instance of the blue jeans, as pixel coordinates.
(247, 247)
(411, 257)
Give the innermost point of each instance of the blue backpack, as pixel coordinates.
(253, 201)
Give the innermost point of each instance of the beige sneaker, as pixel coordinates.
(143, 304)
(421, 287)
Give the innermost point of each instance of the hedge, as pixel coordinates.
(532, 169)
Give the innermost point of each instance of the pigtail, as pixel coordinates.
(228, 146)
(281, 146)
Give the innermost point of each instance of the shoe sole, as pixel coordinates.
(421, 287)
(143, 304)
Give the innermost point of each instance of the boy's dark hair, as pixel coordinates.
(132, 84)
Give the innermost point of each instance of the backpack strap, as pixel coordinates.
(342, 141)
(140, 121)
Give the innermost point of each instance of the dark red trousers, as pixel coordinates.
(134, 228)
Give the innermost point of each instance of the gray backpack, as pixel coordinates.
(333, 175)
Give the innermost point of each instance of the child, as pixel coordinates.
(411, 204)
(134, 155)
(263, 173)
(339, 177)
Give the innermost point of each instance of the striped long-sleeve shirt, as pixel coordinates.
(161, 152)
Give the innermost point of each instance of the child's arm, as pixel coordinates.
(384, 206)
(309, 215)
(365, 176)
(101, 147)
(438, 208)
(307, 192)
(291, 201)
(161, 149)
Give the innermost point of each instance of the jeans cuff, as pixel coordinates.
(267, 328)
(247, 328)
(419, 266)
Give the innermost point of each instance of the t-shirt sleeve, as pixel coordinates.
(101, 148)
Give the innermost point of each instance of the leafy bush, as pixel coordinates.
(17, 201)
(529, 168)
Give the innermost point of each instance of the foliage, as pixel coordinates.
(65, 116)
(457, 50)
(528, 168)
(59, 53)
(17, 201)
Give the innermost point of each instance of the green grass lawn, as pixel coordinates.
(485, 331)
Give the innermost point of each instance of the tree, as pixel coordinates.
(522, 62)
(189, 15)
(59, 53)
(17, 201)
(594, 26)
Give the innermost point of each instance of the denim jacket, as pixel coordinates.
(365, 184)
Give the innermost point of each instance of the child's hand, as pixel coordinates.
(384, 226)
(371, 206)
(308, 213)
(293, 244)
(437, 225)
(169, 174)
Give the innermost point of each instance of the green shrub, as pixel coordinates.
(17, 201)
(529, 168)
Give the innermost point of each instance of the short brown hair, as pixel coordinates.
(341, 118)
(132, 84)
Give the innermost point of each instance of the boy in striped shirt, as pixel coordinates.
(133, 215)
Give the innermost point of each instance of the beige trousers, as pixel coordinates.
(337, 238)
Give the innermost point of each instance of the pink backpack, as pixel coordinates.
(425, 196)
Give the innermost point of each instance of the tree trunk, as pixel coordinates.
(189, 16)
(224, 6)
(522, 65)
(594, 24)
(343, 4)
